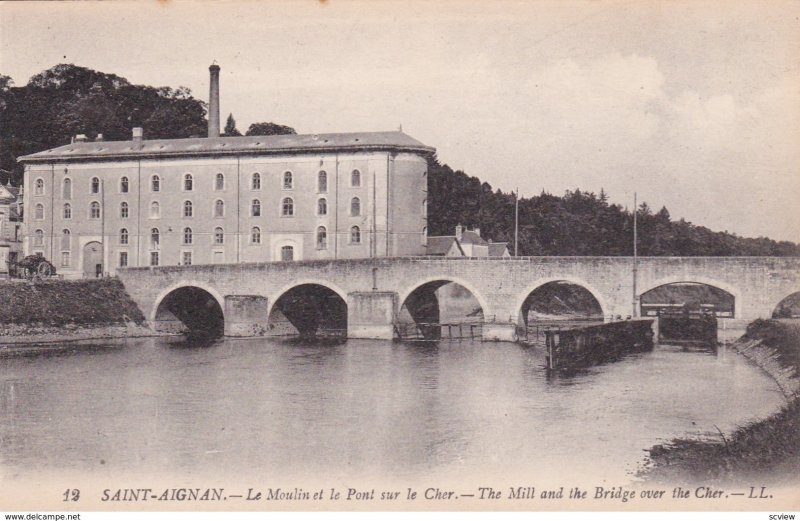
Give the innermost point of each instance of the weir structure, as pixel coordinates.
(363, 298)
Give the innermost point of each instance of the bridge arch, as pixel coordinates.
(425, 310)
(186, 284)
(189, 306)
(309, 306)
(403, 296)
(519, 302)
(303, 282)
(792, 301)
(734, 291)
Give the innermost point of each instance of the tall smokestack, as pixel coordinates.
(213, 102)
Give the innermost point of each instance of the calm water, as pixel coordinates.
(256, 408)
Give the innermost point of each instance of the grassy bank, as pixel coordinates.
(58, 303)
(767, 450)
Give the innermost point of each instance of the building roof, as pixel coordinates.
(470, 237)
(441, 245)
(496, 249)
(243, 145)
(8, 193)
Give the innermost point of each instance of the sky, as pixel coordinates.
(693, 105)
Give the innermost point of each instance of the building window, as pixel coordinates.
(424, 207)
(65, 259)
(123, 185)
(95, 185)
(187, 235)
(65, 239)
(123, 210)
(322, 238)
(155, 210)
(287, 253)
(39, 187)
(322, 181)
(155, 238)
(288, 180)
(355, 179)
(255, 235)
(355, 207)
(322, 206)
(123, 259)
(38, 238)
(123, 236)
(38, 214)
(187, 209)
(187, 182)
(155, 183)
(187, 258)
(153, 258)
(287, 207)
(66, 189)
(67, 211)
(219, 208)
(255, 181)
(219, 236)
(355, 235)
(94, 210)
(219, 182)
(255, 208)
(424, 238)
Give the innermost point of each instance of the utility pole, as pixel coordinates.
(635, 255)
(516, 222)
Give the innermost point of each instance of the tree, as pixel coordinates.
(5, 82)
(230, 127)
(269, 129)
(67, 99)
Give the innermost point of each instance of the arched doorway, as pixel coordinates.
(190, 310)
(687, 311)
(310, 311)
(440, 309)
(93, 260)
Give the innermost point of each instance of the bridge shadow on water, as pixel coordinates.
(194, 340)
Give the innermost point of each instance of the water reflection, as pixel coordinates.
(259, 407)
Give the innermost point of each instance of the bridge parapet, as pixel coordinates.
(377, 288)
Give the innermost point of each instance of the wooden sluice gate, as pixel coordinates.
(588, 346)
(437, 332)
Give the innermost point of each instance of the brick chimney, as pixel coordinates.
(459, 231)
(137, 134)
(213, 102)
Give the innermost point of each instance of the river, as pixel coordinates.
(257, 408)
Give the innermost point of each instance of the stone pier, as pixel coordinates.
(370, 314)
(246, 315)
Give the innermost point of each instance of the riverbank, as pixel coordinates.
(766, 450)
(58, 311)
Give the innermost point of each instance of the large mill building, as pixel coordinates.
(92, 206)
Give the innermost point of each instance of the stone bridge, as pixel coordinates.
(368, 294)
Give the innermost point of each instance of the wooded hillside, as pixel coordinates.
(66, 100)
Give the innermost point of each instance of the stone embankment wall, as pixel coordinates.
(774, 346)
(58, 310)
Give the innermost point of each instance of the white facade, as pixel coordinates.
(95, 206)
